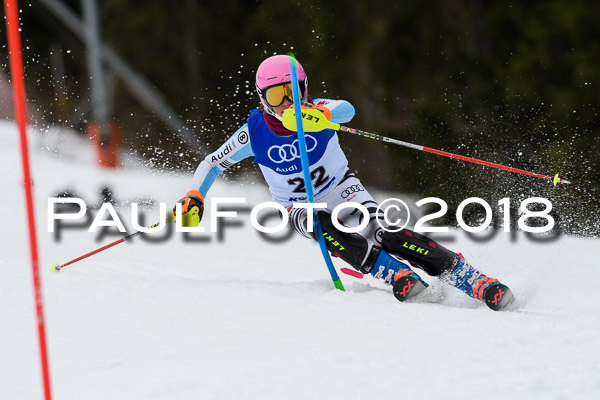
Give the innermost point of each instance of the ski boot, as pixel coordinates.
(405, 282)
(470, 280)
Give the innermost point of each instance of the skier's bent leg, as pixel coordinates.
(430, 256)
(353, 248)
(362, 255)
(450, 267)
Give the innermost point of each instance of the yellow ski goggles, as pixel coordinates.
(274, 95)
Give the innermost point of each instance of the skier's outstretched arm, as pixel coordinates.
(341, 110)
(235, 149)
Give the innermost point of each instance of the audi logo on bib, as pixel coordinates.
(352, 189)
(290, 152)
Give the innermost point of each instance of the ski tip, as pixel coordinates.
(352, 272)
(498, 297)
(408, 286)
(55, 268)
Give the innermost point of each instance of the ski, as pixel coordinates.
(407, 286)
(498, 297)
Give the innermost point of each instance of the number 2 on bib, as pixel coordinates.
(317, 175)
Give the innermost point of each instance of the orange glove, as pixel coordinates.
(323, 109)
(192, 203)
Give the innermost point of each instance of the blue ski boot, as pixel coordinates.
(406, 283)
(470, 280)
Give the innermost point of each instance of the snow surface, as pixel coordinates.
(247, 319)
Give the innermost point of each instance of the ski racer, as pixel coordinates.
(384, 254)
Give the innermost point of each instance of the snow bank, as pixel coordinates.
(245, 318)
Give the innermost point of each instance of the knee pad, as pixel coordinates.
(428, 255)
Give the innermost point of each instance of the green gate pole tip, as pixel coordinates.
(338, 285)
(556, 180)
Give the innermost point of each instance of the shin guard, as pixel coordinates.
(350, 247)
(428, 255)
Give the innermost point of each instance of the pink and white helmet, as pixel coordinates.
(274, 71)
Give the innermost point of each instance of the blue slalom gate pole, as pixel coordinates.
(305, 169)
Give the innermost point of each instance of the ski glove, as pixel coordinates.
(192, 208)
(326, 111)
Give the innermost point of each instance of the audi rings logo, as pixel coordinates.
(290, 152)
(352, 189)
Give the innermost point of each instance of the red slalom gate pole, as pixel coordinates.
(18, 84)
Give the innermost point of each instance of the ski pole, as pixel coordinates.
(337, 282)
(57, 268)
(314, 121)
